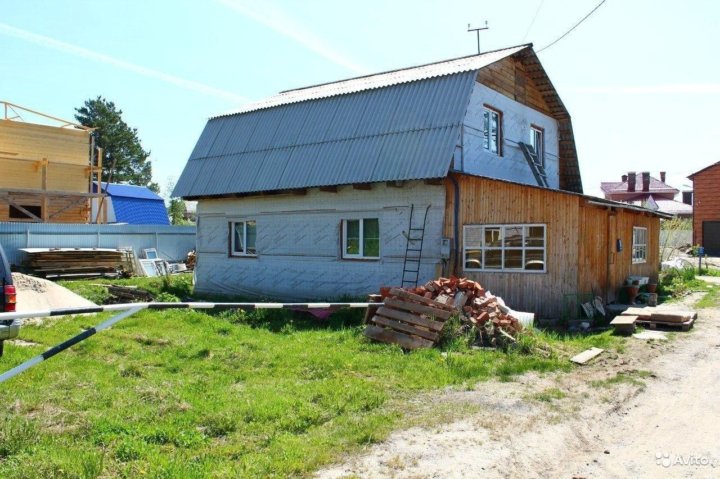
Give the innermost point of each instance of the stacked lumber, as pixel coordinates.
(414, 318)
(653, 317)
(74, 261)
(128, 294)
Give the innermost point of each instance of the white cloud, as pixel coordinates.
(83, 52)
(276, 19)
(677, 88)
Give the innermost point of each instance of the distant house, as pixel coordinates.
(650, 192)
(135, 205)
(464, 167)
(706, 217)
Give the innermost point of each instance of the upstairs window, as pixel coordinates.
(639, 248)
(492, 130)
(511, 248)
(242, 238)
(537, 141)
(361, 238)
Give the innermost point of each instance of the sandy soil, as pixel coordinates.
(661, 421)
(34, 294)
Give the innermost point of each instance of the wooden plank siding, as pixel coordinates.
(45, 158)
(578, 239)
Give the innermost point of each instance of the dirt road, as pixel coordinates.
(651, 412)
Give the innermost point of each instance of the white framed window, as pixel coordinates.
(361, 238)
(514, 248)
(492, 130)
(537, 141)
(242, 238)
(639, 245)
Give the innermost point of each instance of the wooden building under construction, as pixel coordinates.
(46, 169)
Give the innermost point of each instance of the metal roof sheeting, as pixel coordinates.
(404, 131)
(381, 80)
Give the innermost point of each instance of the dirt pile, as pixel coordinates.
(34, 294)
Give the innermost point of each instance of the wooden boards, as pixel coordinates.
(653, 317)
(408, 320)
(586, 356)
(624, 324)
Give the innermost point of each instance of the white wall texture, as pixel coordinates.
(516, 128)
(299, 242)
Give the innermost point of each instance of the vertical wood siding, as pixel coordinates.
(577, 244)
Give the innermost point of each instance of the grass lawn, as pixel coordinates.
(188, 394)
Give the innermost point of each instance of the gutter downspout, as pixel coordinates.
(456, 226)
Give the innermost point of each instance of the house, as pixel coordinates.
(706, 215)
(650, 192)
(465, 167)
(45, 168)
(130, 204)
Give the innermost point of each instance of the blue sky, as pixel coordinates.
(640, 78)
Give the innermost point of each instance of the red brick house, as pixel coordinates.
(649, 192)
(706, 215)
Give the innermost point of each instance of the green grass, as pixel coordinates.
(632, 377)
(711, 298)
(188, 394)
(549, 395)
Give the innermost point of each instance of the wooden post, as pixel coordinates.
(44, 204)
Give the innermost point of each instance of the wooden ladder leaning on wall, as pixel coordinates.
(413, 250)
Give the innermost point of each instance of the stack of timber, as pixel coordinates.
(76, 261)
(414, 318)
(652, 317)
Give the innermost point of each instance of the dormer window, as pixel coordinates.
(492, 130)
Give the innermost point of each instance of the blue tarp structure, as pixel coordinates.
(136, 205)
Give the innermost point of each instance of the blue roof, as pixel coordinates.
(136, 205)
(139, 211)
(129, 191)
(400, 125)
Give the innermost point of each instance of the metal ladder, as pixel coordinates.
(536, 166)
(413, 250)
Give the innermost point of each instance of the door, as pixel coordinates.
(711, 237)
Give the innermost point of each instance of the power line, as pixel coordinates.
(533, 20)
(573, 27)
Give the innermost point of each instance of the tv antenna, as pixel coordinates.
(477, 33)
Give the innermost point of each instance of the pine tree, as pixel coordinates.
(120, 143)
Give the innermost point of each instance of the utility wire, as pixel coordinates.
(573, 27)
(533, 20)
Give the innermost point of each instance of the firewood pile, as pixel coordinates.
(415, 317)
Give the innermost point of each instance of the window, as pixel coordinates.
(242, 238)
(361, 238)
(537, 141)
(639, 249)
(492, 130)
(18, 214)
(517, 248)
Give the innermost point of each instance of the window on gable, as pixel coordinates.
(492, 130)
(639, 247)
(537, 141)
(361, 238)
(515, 248)
(242, 238)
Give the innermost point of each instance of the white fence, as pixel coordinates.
(171, 242)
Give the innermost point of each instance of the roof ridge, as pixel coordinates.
(448, 60)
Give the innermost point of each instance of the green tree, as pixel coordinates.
(120, 143)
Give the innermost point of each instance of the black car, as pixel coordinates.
(8, 328)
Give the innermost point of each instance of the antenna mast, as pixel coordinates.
(477, 33)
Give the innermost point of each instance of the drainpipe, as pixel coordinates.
(456, 226)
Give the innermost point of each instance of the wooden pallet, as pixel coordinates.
(409, 320)
(652, 324)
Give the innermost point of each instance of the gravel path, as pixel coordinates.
(662, 420)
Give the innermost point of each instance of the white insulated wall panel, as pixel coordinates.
(517, 119)
(299, 242)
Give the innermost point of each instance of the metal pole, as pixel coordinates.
(66, 344)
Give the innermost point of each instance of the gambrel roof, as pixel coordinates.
(392, 126)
